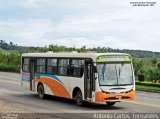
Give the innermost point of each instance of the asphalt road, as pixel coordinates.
(11, 91)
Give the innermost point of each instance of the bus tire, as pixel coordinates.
(40, 90)
(110, 103)
(79, 99)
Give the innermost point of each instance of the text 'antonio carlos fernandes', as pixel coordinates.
(126, 116)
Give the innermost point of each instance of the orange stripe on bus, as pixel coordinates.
(57, 88)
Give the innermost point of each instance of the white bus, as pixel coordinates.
(85, 77)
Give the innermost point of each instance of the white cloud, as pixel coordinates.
(28, 32)
(35, 3)
(93, 23)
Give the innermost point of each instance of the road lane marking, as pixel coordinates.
(2, 91)
(10, 78)
(7, 81)
(143, 103)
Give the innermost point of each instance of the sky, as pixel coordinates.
(91, 23)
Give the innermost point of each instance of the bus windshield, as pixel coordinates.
(115, 73)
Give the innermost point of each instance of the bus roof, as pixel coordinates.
(73, 55)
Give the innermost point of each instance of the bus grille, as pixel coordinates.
(117, 98)
(119, 92)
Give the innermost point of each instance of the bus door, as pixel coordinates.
(88, 79)
(32, 74)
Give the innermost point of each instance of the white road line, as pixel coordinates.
(7, 81)
(10, 78)
(144, 104)
(2, 91)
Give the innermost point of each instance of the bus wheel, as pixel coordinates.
(79, 99)
(110, 103)
(41, 93)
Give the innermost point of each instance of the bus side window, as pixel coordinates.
(68, 69)
(82, 70)
(52, 66)
(41, 62)
(63, 67)
(77, 67)
(71, 69)
(25, 66)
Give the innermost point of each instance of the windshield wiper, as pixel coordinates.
(103, 70)
(119, 72)
(120, 69)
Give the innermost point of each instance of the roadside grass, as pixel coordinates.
(147, 87)
(9, 67)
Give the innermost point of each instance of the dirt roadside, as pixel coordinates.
(7, 111)
(5, 107)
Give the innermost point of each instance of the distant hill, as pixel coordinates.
(55, 48)
(12, 46)
(141, 53)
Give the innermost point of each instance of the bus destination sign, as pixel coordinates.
(113, 58)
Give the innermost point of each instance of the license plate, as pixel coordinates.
(119, 97)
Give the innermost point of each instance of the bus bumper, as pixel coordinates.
(103, 97)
